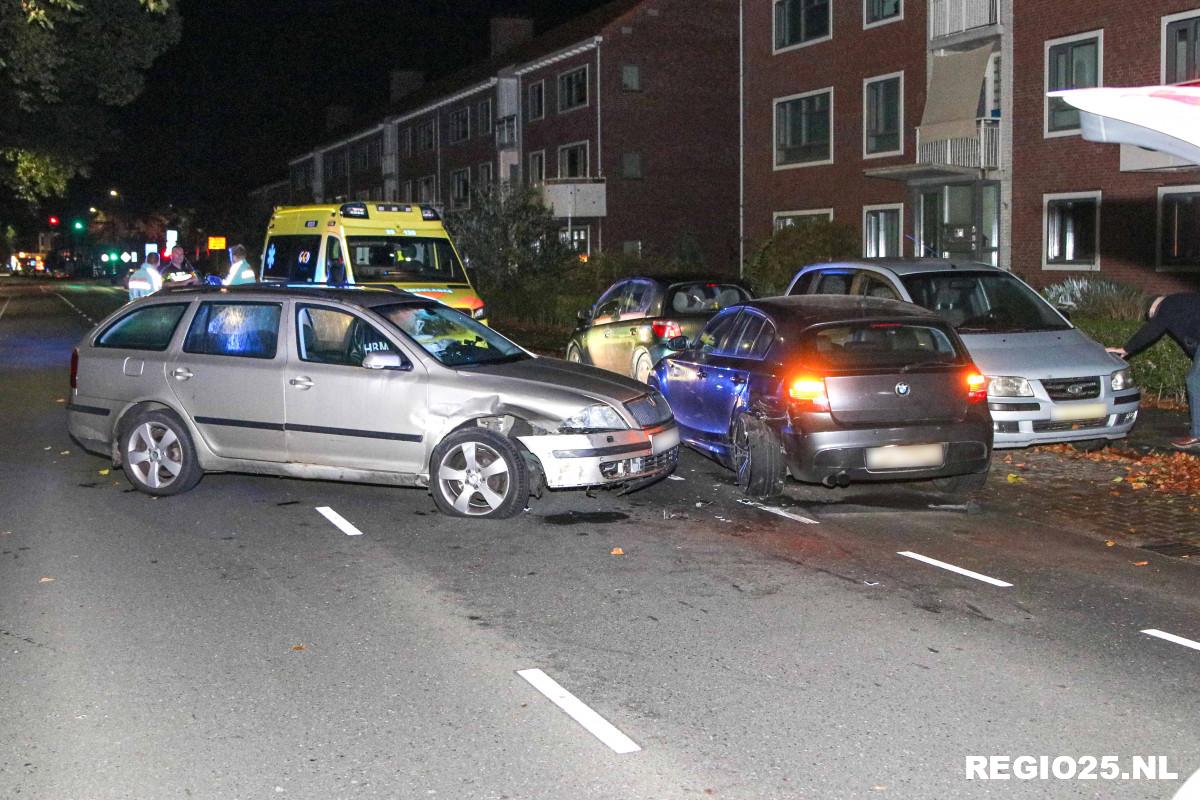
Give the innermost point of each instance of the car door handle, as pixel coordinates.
(633, 331)
(303, 382)
(181, 373)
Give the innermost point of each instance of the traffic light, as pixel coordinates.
(53, 221)
(78, 226)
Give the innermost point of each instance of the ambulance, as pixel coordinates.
(372, 244)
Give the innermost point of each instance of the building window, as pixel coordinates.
(882, 226)
(485, 177)
(1179, 226)
(804, 129)
(485, 118)
(406, 192)
(460, 188)
(631, 78)
(1075, 62)
(537, 100)
(879, 12)
(460, 126)
(1181, 47)
(1071, 231)
(883, 115)
(631, 166)
(573, 89)
(573, 160)
(406, 142)
(578, 240)
(537, 167)
(632, 248)
(425, 137)
(801, 22)
(427, 189)
(789, 219)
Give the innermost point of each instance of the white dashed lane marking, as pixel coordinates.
(595, 724)
(934, 562)
(779, 512)
(1170, 637)
(5, 308)
(75, 308)
(339, 521)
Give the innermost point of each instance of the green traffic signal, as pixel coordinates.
(78, 225)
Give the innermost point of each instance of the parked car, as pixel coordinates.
(631, 326)
(366, 385)
(1047, 380)
(831, 390)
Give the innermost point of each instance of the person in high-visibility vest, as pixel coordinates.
(240, 270)
(146, 279)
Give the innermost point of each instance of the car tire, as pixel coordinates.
(157, 454)
(758, 461)
(960, 484)
(1090, 445)
(574, 354)
(642, 366)
(478, 473)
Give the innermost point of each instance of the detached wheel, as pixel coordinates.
(642, 367)
(574, 355)
(157, 454)
(757, 457)
(960, 484)
(478, 473)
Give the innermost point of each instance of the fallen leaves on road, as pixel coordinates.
(105, 471)
(1166, 473)
(1141, 563)
(297, 647)
(46, 579)
(1015, 478)
(616, 551)
(1110, 543)
(65, 453)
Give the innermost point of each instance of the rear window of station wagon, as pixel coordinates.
(148, 328)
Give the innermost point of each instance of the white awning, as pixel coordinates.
(1163, 118)
(952, 99)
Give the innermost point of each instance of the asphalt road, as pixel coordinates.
(233, 643)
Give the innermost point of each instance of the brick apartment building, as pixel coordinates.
(926, 126)
(626, 118)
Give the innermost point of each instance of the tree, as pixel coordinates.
(772, 268)
(66, 64)
(507, 232)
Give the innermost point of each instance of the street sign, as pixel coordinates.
(125, 258)
(216, 243)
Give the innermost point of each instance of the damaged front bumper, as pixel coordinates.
(576, 460)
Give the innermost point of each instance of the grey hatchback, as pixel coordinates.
(367, 385)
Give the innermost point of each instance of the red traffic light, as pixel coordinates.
(54, 220)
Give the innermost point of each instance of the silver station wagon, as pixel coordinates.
(366, 385)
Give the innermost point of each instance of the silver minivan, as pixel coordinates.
(366, 385)
(1048, 381)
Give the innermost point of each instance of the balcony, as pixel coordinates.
(506, 132)
(981, 151)
(576, 197)
(951, 17)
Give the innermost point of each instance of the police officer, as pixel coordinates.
(146, 279)
(240, 270)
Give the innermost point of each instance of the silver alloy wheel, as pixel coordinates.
(474, 478)
(573, 355)
(155, 455)
(641, 368)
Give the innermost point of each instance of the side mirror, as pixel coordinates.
(382, 360)
(1065, 311)
(678, 343)
(584, 315)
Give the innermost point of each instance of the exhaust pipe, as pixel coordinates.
(840, 480)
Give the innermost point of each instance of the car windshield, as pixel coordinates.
(983, 302)
(450, 336)
(871, 345)
(404, 258)
(702, 297)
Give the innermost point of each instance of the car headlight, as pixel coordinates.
(599, 417)
(1009, 386)
(1121, 379)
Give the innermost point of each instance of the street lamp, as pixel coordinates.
(113, 193)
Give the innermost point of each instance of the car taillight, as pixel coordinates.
(809, 389)
(666, 329)
(75, 368)
(976, 387)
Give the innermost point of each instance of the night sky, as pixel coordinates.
(246, 87)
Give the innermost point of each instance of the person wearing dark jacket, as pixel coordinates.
(1177, 316)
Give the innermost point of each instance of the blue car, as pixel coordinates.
(831, 390)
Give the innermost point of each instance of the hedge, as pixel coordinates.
(1159, 371)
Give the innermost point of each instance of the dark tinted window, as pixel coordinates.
(834, 282)
(716, 333)
(992, 302)
(148, 328)
(747, 337)
(702, 297)
(249, 330)
(766, 338)
(866, 345)
(330, 336)
(291, 258)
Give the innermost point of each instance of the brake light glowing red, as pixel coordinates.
(75, 368)
(809, 389)
(666, 329)
(976, 387)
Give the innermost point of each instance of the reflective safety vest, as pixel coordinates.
(146, 280)
(240, 272)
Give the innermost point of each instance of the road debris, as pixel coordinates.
(616, 551)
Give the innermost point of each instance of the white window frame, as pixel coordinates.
(868, 25)
(587, 156)
(788, 48)
(529, 94)
(406, 192)
(455, 202)
(1096, 195)
(587, 83)
(1163, 191)
(899, 228)
(1098, 35)
(465, 112)
(433, 137)
(827, 213)
(1162, 39)
(568, 233)
(491, 118)
(408, 142)
(433, 179)
(486, 168)
(775, 130)
(867, 82)
(540, 154)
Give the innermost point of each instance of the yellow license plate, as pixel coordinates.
(1078, 411)
(905, 456)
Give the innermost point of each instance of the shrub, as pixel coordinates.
(773, 266)
(1096, 298)
(1159, 371)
